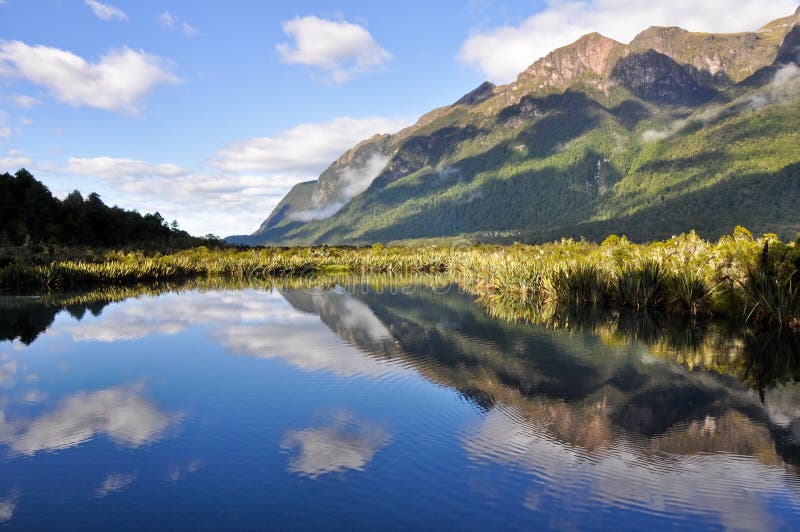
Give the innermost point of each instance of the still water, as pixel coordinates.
(361, 408)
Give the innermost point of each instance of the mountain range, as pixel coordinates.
(672, 132)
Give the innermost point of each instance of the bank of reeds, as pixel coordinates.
(751, 279)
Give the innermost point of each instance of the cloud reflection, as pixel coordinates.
(173, 313)
(114, 483)
(8, 505)
(346, 443)
(120, 413)
(738, 489)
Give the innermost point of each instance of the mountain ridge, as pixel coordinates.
(577, 129)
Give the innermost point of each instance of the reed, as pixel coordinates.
(737, 276)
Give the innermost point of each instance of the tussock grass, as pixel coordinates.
(738, 276)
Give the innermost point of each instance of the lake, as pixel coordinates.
(383, 407)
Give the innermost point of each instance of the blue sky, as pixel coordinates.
(210, 111)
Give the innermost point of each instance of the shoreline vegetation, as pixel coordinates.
(759, 358)
(740, 278)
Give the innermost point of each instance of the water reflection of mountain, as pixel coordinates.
(579, 389)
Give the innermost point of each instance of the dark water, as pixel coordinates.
(361, 409)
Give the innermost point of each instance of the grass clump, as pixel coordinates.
(739, 276)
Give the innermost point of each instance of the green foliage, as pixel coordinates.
(774, 294)
(684, 276)
(642, 287)
(30, 215)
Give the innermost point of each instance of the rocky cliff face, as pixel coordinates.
(718, 60)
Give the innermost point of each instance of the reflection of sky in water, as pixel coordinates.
(346, 443)
(259, 402)
(119, 413)
(738, 489)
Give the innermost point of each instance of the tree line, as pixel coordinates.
(31, 215)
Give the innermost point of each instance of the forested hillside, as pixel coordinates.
(672, 132)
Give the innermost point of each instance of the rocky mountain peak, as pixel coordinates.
(484, 91)
(591, 56)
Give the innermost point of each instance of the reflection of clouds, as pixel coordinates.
(173, 313)
(176, 473)
(34, 396)
(8, 505)
(114, 483)
(356, 316)
(738, 489)
(306, 343)
(252, 322)
(7, 372)
(783, 407)
(120, 413)
(308, 346)
(347, 443)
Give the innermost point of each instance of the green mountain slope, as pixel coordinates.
(672, 132)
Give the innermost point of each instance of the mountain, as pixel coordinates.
(671, 132)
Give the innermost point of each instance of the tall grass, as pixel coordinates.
(737, 276)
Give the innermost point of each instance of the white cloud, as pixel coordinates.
(502, 53)
(24, 101)
(106, 11)
(170, 21)
(251, 177)
(305, 150)
(5, 130)
(342, 49)
(14, 160)
(25, 121)
(354, 181)
(115, 83)
(121, 169)
(222, 203)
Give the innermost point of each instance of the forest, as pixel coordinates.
(31, 218)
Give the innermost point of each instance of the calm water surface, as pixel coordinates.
(359, 409)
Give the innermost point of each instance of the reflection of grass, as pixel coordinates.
(684, 275)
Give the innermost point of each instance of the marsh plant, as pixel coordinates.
(739, 276)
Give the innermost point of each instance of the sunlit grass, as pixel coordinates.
(685, 275)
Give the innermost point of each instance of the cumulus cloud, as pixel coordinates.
(306, 149)
(14, 160)
(116, 82)
(170, 21)
(347, 443)
(202, 202)
(341, 49)
(106, 11)
(250, 177)
(120, 169)
(503, 52)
